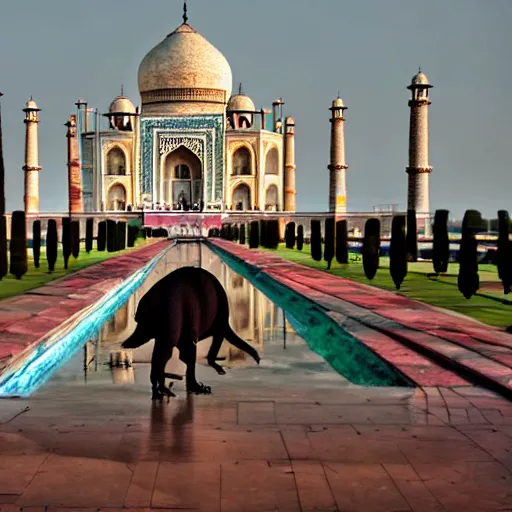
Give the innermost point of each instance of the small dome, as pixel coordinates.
(289, 121)
(338, 102)
(420, 79)
(122, 105)
(31, 105)
(241, 102)
(182, 62)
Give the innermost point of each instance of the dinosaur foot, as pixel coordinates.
(161, 391)
(198, 388)
(217, 367)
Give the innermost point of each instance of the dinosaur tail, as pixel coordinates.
(137, 339)
(239, 343)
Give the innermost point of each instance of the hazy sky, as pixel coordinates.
(304, 51)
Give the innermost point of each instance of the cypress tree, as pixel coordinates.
(89, 234)
(316, 240)
(111, 235)
(101, 241)
(3, 246)
(75, 238)
(300, 237)
(66, 240)
(263, 233)
(121, 240)
(273, 234)
(329, 241)
(36, 242)
(371, 247)
(342, 242)
(52, 243)
(289, 235)
(254, 235)
(18, 246)
(398, 251)
(504, 255)
(441, 242)
(468, 280)
(242, 234)
(412, 236)
(235, 233)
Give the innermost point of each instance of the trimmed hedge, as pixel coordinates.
(101, 241)
(36, 242)
(468, 280)
(66, 240)
(316, 240)
(441, 242)
(133, 233)
(342, 242)
(329, 241)
(398, 251)
(300, 237)
(504, 256)
(18, 247)
(52, 243)
(412, 236)
(289, 235)
(272, 233)
(121, 235)
(89, 234)
(235, 233)
(254, 235)
(75, 238)
(242, 234)
(3, 246)
(371, 247)
(263, 233)
(111, 236)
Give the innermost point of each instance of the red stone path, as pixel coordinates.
(397, 327)
(28, 317)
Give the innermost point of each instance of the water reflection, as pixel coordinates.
(252, 315)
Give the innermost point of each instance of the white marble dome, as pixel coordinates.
(122, 105)
(420, 79)
(185, 65)
(241, 102)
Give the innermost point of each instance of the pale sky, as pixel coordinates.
(304, 51)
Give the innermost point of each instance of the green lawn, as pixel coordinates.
(35, 277)
(493, 308)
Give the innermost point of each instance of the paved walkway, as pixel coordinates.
(30, 316)
(397, 328)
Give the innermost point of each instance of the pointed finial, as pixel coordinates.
(338, 93)
(185, 17)
(419, 69)
(122, 90)
(240, 88)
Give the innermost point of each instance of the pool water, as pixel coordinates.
(285, 355)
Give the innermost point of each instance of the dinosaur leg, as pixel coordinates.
(214, 352)
(161, 354)
(189, 357)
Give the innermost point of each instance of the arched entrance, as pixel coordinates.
(242, 197)
(182, 179)
(271, 202)
(272, 162)
(242, 162)
(116, 198)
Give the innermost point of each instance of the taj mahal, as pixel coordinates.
(192, 144)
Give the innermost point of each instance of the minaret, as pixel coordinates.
(74, 172)
(31, 167)
(419, 168)
(338, 165)
(290, 202)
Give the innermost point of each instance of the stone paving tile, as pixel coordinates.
(254, 486)
(142, 484)
(364, 487)
(256, 413)
(475, 486)
(188, 486)
(313, 487)
(77, 482)
(17, 472)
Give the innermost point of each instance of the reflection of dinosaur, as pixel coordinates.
(183, 308)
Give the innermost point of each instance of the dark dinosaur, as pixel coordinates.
(185, 307)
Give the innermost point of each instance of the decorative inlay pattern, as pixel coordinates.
(184, 94)
(418, 170)
(204, 130)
